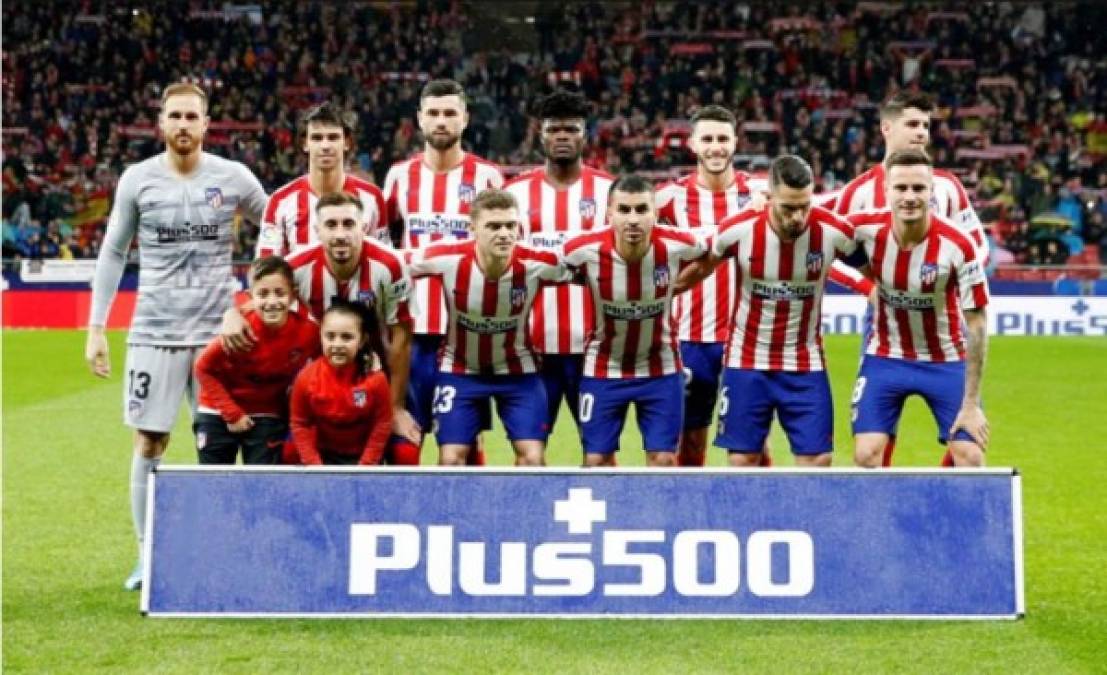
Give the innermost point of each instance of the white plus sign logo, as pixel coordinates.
(580, 511)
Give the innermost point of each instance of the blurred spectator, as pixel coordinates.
(1016, 120)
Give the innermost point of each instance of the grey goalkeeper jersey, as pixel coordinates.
(185, 282)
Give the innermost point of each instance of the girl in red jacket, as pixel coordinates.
(341, 407)
(244, 396)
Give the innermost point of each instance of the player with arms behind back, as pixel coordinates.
(558, 201)
(703, 200)
(928, 277)
(181, 206)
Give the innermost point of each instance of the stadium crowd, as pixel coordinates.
(1020, 122)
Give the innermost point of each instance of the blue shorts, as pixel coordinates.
(704, 360)
(561, 375)
(884, 384)
(658, 405)
(422, 380)
(462, 401)
(802, 403)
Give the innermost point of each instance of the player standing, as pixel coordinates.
(428, 197)
(905, 124)
(558, 201)
(774, 355)
(703, 200)
(181, 205)
(631, 356)
(327, 137)
(490, 283)
(929, 277)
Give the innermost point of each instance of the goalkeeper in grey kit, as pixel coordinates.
(181, 206)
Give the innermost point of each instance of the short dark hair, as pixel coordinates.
(271, 264)
(908, 157)
(337, 199)
(492, 199)
(630, 183)
(563, 104)
(790, 170)
(442, 87)
(715, 113)
(329, 113)
(897, 103)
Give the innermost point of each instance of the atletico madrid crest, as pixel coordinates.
(661, 277)
(928, 273)
(214, 197)
(360, 398)
(815, 262)
(518, 298)
(466, 193)
(588, 208)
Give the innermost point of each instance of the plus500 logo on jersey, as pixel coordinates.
(694, 563)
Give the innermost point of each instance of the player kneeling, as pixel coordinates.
(490, 283)
(341, 411)
(243, 395)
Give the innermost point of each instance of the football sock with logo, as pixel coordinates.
(141, 468)
(890, 448)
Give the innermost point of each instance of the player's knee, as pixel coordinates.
(662, 459)
(452, 455)
(966, 454)
(868, 450)
(744, 459)
(597, 459)
(530, 453)
(820, 460)
(150, 444)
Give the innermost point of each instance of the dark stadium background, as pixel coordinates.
(1021, 89)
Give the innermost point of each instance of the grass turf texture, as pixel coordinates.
(67, 544)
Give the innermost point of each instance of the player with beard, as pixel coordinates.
(562, 199)
(181, 205)
(428, 198)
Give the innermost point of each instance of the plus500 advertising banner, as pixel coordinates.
(1007, 315)
(572, 543)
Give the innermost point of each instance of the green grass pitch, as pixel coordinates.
(67, 545)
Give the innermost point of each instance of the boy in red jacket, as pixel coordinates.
(243, 396)
(341, 409)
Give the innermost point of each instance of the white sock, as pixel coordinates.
(140, 470)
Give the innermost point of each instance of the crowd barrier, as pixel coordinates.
(572, 543)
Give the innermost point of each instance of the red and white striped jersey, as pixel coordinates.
(288, 225)
(777, 317)
(487, 317)
(562, 315)
(922, 290)
(434, 207)
(948, 199)
(635, 335)
(380, 282)
(703, 312)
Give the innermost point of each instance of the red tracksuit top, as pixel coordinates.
(256, 382)
(337, 411)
